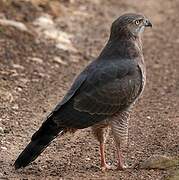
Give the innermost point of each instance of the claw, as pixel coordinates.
(122, 167)
(105, 167)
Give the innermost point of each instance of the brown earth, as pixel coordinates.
(29, 89)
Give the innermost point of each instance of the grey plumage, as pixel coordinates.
(104, 90)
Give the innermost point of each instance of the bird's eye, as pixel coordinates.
(137, 22)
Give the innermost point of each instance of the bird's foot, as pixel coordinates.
(122, 167)
(106, 167)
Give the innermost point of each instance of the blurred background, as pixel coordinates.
(44, 44)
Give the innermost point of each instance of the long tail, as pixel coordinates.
(39, 141)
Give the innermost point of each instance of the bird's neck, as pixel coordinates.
(122, 48)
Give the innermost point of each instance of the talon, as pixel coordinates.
(123, 167)
(105, 167)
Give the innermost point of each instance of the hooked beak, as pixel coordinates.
(147, 23)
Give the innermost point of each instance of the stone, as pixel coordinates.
(36, 59)
(59, 60)
(16, 24)
(3, 148)
(1, 131)
(160, 162)
(174, 175)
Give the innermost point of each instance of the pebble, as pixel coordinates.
(16, 24)
(36, 59)
(44, 21)
(15, 107)
(18, 66)
(3, 148)
(60, 61)
(174, 175)
(19, 89)
(160, 162)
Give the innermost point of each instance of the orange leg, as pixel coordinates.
(101, 132)
(104, 166)
(121, 164)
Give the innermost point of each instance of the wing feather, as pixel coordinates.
(98, 93)
(108, 89)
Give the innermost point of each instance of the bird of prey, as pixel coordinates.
(102, 95)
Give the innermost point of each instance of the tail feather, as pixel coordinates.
(40, 140)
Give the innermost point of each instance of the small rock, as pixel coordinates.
(66, 47)
(174, 175)
(1, 175)
(16, 24)
(36, 59)
(88, 159)
(63, 46)
(159, 162)
(15, 107)
(59, 60)
(3, 148)
(44, 21)
(48, 29)
(19, 89)
(63, 37)
(18, 66)
(1, 131)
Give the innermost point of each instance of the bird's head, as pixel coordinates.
(129, 25)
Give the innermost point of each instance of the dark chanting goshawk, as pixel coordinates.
(101, 95)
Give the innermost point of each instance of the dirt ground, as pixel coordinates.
(32, 83)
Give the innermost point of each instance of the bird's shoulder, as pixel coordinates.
(110, 69)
